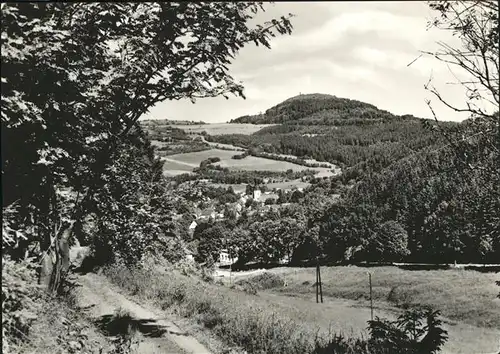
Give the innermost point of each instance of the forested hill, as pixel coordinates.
(319, 109)
(357, 136)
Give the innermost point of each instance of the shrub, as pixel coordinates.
(417, 331)
(20, 300)
(270, 201)
(264, 281)
(245, 286)
(33, 322)
(240, 156)
(213, 159)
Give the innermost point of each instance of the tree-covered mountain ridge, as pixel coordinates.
(320, 109)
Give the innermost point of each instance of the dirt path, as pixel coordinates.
(100, 300)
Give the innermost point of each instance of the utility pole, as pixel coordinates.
(320, 284)
(317, 281)
(319, 287)
(371, 294)
(230, 268)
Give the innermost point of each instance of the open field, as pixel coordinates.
(288, 185)
(194, 158)
(461, 295)
(157, 143)
(349, 317)
(173, 167)
(238, 188)
(252, 163)
(222, 146)
(223, 128)
(274, 322)
(190, 160)
(466, 299)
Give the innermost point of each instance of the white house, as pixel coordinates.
(192, 227)
(207, 214)
(224, 258)
(256, 194)
(189, 255)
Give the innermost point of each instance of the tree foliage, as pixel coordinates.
(416, 331)
(75, 79)
(475, 23)
(390, 243)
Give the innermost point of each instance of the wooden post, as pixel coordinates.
(320, 284)
(317, 283)
(230, 264)
(230, 271)
(371, 294)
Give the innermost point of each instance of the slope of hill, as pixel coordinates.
(355, 135)
(318, 109)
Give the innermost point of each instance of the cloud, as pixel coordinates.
(389, 25)
(357, 50)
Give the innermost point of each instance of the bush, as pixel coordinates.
(270, 201)
(240, 156)
(245, 286)
(213, 159)
(20, 300)
(33, 322)
(417, 331)
(264, 281)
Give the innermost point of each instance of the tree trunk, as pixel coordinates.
(46, 270)
(55, 264)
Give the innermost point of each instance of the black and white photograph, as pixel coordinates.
(290, 177)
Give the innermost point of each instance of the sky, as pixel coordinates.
(355, 50)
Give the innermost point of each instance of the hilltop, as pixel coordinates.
(319, 109)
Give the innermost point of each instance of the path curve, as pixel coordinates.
(100, 300)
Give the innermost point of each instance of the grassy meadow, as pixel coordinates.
(461, 295)
(292, 322)
(222, 128)
(174, 164)
(173, 167)
(243, 321)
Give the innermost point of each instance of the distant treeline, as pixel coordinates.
(218, 174)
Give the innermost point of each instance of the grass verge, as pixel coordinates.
(462, 295)
(59, 329)
(241, 320)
